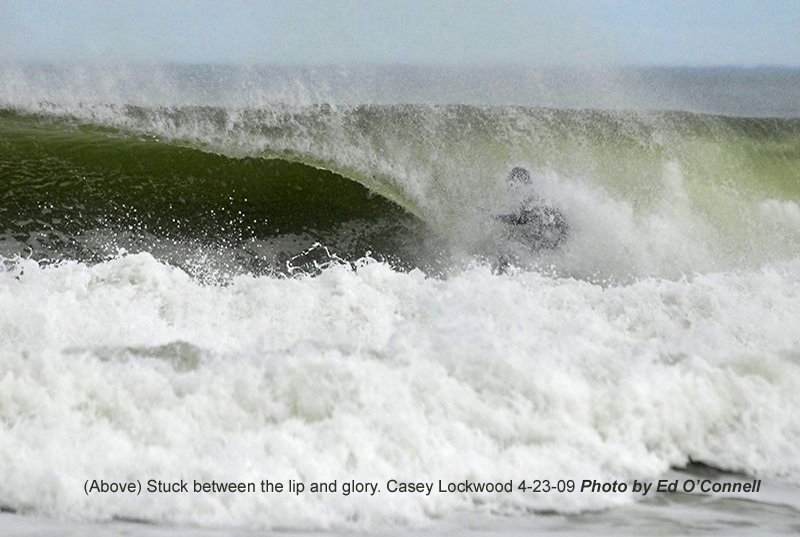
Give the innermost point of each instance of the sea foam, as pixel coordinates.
(130, 369)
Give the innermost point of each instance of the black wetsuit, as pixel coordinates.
(537, 225)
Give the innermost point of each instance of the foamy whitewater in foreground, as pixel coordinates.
(158, 318)
(129, 369)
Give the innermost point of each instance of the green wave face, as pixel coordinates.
(78, 191)
(661, 193)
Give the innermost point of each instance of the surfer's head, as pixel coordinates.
(519, 176)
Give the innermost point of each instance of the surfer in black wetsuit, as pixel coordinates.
(534, 223)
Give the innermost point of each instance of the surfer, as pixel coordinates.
(534, 222)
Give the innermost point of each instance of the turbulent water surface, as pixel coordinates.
(240, 275)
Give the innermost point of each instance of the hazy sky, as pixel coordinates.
(673, 32)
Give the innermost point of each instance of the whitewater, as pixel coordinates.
(233, 275)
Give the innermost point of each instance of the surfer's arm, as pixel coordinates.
(512, 219)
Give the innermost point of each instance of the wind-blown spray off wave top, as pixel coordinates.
(246, 290)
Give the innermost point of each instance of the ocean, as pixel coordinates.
(297, 274)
